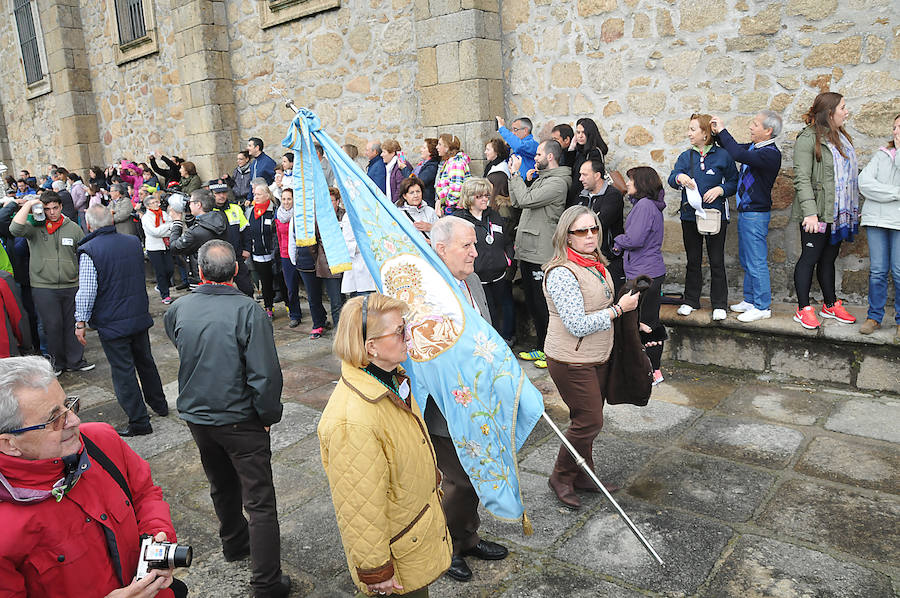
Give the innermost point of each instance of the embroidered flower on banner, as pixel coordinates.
(485, 429)
(463, 396)
(484, 347)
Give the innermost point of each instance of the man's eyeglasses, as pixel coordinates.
(58, 421)
(582, 232)
(400, 333)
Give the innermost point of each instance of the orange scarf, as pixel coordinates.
(260, 208)
(158, 215)
(52, 227)
(585, 262)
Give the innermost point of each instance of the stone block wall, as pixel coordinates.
(641, 67)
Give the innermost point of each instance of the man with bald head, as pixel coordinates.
(453, 239)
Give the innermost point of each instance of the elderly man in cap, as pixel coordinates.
(74, 498)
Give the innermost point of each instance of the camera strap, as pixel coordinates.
(106, 463)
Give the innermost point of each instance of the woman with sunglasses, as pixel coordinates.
(581, 301)
(711, 171)
(379, 459)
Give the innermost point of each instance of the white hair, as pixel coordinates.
(17, 373)
(443, 230)
(59, 185)
(771, 120)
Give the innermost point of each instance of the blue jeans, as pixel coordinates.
(884, 256)
(314, 286)
(292, 282)
(753, 229)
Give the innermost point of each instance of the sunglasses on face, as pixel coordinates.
(400, 332)
(582, 232)
(58, 421)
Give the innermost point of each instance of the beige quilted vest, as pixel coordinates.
(560, 344)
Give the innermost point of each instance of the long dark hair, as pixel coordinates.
(646, 182)
(819, 116)
(592, 135)
(891, 142)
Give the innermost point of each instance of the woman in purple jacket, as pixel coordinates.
(642, 247)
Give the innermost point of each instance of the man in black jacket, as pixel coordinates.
(609, 205)
(229, 393)
(209, 224)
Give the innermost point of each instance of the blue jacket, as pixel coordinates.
(377, 172)
(428, 174)
(759, 168)
(121, 307)
(262, 166)
(719, 171)
(525, 148)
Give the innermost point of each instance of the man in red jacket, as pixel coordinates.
(69, 528)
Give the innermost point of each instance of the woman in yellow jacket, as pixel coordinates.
(379, 459)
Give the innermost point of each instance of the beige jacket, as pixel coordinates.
(384, 484)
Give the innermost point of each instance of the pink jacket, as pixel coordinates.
(135, 180)
(451, 175)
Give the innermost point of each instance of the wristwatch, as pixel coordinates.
(80, 326)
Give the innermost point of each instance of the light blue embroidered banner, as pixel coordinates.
(455, 355)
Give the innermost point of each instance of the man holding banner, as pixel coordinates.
(454, 241)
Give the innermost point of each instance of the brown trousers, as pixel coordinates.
(460, 500)
(580, 388)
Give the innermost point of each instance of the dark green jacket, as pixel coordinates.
(229, 370)
(53, 263)
(813, 181)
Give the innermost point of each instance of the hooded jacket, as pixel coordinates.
(208, 226)
(879, 183)
(642, 240)
(542, 204)
(59, 549)
(384, 483)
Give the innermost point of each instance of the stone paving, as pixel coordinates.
(744, 486)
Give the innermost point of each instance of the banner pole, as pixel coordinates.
(583, 464)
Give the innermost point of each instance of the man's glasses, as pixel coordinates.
(58, 421)
(582, 232)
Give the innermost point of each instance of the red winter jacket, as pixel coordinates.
(58, 549)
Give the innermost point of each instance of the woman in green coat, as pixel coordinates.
(826, 201)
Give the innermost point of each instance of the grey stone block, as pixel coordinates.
(853, 462)
(168, 433)
(297, 422)
(872, 418)
(457, 26)
(720, 349)
(551, 580)
(787, 406)
(863, 525)
(826, 363)
(764, 567)
(879, 373)
(714, 487)
(744, 440)
(657, 420)
(688, 545)
(615, 459)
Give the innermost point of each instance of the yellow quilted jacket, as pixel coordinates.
(384, 484)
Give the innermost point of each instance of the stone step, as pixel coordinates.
(835, 353)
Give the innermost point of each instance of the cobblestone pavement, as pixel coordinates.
(746, 486)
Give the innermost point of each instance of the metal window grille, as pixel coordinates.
(130, 15)
(31, 56)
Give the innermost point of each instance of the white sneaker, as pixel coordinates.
(752, 315)
(719, 314)
(685, 310)
(742, 307)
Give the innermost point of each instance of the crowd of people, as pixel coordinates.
(549, 213)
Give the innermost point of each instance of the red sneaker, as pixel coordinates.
(807, 318)
(838, 313)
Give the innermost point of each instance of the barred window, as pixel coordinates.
(28, 41)
(130, 15)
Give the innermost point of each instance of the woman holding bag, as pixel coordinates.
(712, 172)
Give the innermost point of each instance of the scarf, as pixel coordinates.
(490, 165)
(387, 187)
(260, 208)
(585, 262)
(158, 215)
(846, 194)
(52, 227)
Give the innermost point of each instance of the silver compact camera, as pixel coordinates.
(162, 555)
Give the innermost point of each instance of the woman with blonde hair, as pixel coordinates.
(452, 173)
(581, 301)
(826, 202)
(372, 437)
(495, 252)
(711, 171)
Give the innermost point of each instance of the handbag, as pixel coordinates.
(712, 224)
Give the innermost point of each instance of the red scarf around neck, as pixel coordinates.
(52, 227)
(585, 262)
(158, 215)
(260, 208)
